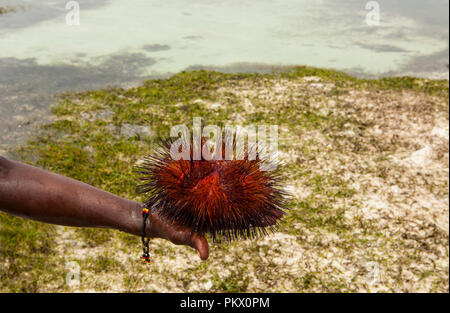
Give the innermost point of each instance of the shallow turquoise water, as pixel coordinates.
(171, 35)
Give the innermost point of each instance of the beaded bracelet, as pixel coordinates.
(145, 241)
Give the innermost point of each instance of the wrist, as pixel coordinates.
(134, 221)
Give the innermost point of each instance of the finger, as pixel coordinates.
(200, 243)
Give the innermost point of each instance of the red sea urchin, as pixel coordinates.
(228, 199)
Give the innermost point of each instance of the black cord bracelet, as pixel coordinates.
(145, 241)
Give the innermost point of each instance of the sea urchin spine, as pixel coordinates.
(228, 199)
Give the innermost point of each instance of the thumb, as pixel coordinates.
(200, 243)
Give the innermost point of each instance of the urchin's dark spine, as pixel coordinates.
(255, 223)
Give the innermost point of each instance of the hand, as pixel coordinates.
(178, 235)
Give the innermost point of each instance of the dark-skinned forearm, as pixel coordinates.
(33, 193)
